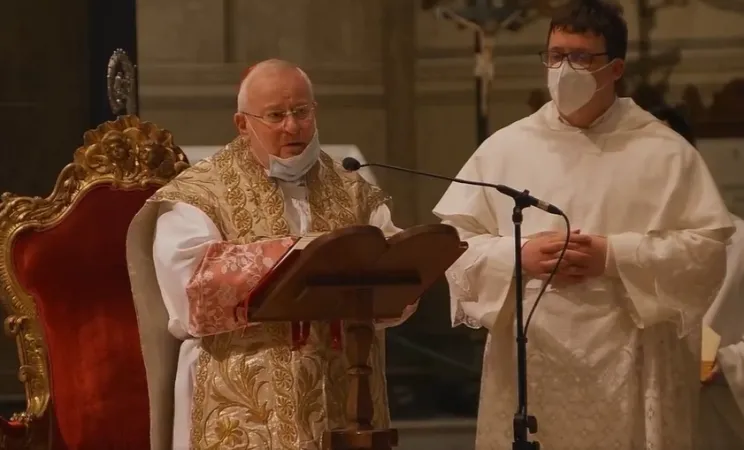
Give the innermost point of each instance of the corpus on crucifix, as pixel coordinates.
(485, 20)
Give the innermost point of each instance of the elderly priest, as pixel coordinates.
(200, 244)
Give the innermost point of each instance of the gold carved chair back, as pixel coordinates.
(64, 287)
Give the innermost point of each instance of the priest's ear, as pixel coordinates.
(617, 66)
(240, 121)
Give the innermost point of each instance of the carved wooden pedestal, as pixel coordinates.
(360, 433)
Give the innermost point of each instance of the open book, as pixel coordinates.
(316, 277)
(306, 239)
(290, 256)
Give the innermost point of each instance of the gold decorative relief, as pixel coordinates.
(126, 154)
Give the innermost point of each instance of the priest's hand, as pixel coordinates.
(539, 256)
(587, 259)
(597, 251)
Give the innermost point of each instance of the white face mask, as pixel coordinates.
(571, 89)
(294, 168)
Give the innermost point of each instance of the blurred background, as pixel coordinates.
(395, 78)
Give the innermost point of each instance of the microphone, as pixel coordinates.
(352, 165)
(523, 423)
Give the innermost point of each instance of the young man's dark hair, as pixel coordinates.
(676, 121)
(597, 17)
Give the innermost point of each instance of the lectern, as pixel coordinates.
(357, 275)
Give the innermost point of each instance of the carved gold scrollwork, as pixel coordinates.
(131, 152)
(127, 154)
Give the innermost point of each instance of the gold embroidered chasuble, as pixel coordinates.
(254, 390)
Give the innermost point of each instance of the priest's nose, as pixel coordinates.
(291, 125)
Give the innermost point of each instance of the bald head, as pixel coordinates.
(276, 110)
(270, 72)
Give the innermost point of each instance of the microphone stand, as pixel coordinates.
(523, 422)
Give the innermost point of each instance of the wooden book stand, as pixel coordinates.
(356, 275)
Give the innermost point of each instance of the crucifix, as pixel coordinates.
(485, 19)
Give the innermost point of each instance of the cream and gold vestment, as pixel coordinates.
(245, 386)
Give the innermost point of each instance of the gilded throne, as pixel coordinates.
(65, 289)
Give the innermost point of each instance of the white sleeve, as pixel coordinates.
(726, 315)
(669, 276)
(481, 281)
(673, 270)
(182, 236)
(382, 219)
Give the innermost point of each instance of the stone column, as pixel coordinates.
(399, 81)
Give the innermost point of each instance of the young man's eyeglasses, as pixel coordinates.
(577, 60)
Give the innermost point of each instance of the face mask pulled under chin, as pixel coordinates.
(571, 89)
(294, 168)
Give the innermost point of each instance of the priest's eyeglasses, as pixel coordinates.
(577, 60)
(300, 113)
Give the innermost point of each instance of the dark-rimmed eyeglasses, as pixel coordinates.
(578, 60)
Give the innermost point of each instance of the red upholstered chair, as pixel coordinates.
(65, 289)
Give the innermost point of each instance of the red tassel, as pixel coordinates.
(240, 310)
(300, 334)
(296, 338)
(305, 333)
(336, 335)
